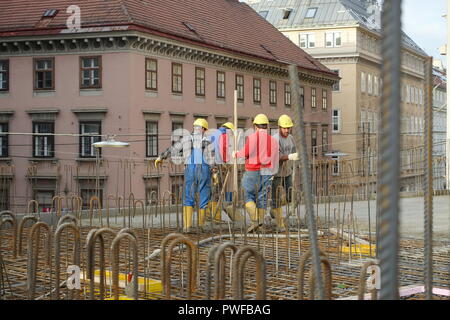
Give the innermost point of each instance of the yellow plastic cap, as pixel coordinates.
(285, 121)
(261, 119)
(201, 123)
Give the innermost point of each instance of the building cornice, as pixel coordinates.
(133, 41)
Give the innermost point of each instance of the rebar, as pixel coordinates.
(239, 262)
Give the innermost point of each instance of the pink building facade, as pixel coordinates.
(61, 92)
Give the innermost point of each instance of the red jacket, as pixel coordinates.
(260, 151)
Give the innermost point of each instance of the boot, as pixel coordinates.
(278, 213)
(201, 218)
(214, 213)
(254, 213)
(187, 219)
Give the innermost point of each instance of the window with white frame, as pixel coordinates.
(152, 138)
(307, 40)
(336, 120)
(311, 13)
(332, 39)
(89, 133)
(376, 87)
(336, 166)
(363, 82)
(369, 84)
(287, 95)
(4, 75)
(337, 84)
(3, 140)
(43, 139)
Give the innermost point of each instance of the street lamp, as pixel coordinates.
(110, 142)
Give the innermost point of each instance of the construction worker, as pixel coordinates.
(261, 162)
(222, 152)
(283, 177)
(197, 173)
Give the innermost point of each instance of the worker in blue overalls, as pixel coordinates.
(197, 173)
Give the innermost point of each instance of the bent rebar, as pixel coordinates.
(24, 220)
(301, 275)
(11, 218)
(76, 253)
(362, 280)
(171, 241)
(33, 255)
(240, 259)
(115, 246)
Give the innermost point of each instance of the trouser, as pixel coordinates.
(256, 187)
(279, 185)
(197, 179)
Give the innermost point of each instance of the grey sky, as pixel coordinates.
(423, 22)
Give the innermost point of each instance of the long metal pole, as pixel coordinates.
(300, 140)
(428, 183)
(388, 150)
(447, 150)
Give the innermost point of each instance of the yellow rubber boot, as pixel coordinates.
(278, 212)
(187, 218)
(216, 212)
(201, 217)
(253, 212)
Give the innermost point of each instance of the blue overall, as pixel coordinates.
(197, 177)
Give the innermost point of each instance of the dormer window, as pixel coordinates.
(311, 13)
(50, 13)
(287, 13)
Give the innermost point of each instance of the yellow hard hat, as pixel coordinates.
(261, 119)
(285, 121)
(201, 123)
(228, 125)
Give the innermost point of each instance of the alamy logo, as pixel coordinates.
(73, 281)
(73, 22)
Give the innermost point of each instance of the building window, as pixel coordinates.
(332, 39)
(90, 133)
(314, 142)
(307, 40)
(178, 135)
(152, 138)
(43, 144)
(151, 74)
(336, 167)
(263, 14)
(220, 84)
(91, 71)
(311, 13)
(256, 90)
(44, 74)
(240, 87)
(324, 141)
(336, 120)
(363, 82)
(286, 14)
(369, 84)
(324, 100)
(152, 191)
(337, 84)
(302, 97)
(177, 78)
(287, 95)
(4, 198)
(273, 92)
(176, 188)
(44, 198)
(4, 137)
(87, 194)
(376, 86)
(313, 98)
(4, 75)
(200, 81)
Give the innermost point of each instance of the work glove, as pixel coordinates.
(215, 178)
(293, 156)
(158, 162)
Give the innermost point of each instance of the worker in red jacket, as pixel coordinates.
(261, 163)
